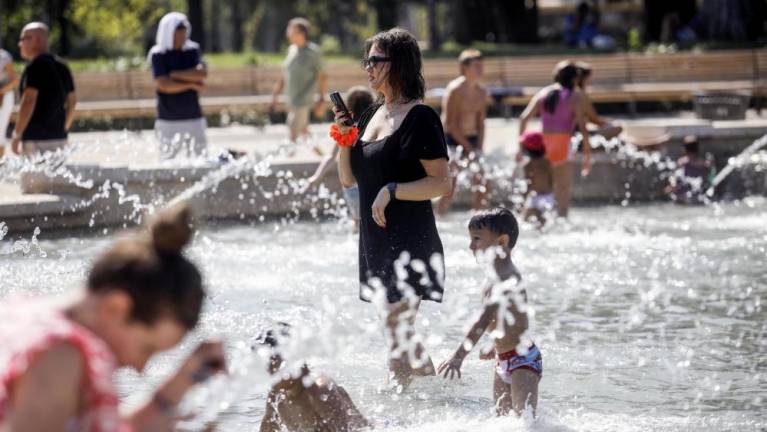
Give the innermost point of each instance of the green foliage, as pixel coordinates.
(14, 14)
(97, 27)
(635, 40)
(330, 45)
(214, 61)
(122, 30)
(348, 22)
(117, 27)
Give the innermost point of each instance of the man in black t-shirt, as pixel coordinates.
(47, 96)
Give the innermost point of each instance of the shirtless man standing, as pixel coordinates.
(464, 108)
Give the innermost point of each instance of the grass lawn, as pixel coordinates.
(256, 58)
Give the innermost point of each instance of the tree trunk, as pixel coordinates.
(63, 23)
(196, 19)
(521, 21)
(475, 21)
(4, 27)
(215, 27)
(236, 17)
(461, 23)
(757, 17)
(271, 31)
(386, 13)
(726, 20)
(435, 41)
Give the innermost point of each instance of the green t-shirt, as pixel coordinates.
(302, 67)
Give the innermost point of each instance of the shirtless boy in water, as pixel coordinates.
(292, 405)
(519, 364)
(464, 108)
(539, 196)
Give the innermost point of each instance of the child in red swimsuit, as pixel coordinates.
(57, 365)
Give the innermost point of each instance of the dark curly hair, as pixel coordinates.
(565, 74)
(498, 220)
(405, 69)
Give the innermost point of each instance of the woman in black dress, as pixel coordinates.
(400, 163)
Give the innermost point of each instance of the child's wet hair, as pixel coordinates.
(498, 220)
(691, 144)
(272, 337)
(152, 270)
(534, 154)
(359, 99)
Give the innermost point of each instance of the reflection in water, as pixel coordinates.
(648, 317)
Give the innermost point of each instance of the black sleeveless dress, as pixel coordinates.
(407, 255)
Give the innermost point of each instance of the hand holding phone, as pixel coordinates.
(338, 102)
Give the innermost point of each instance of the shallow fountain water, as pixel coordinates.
(648, 317)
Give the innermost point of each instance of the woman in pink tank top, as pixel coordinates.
(57, 365)
(560, 108)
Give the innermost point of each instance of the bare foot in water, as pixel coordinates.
(426, 368)
(402, 371)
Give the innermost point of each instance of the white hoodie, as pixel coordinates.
(165, 31)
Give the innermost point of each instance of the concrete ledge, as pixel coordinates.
(36, 204)
(119, 196)
(120, 193)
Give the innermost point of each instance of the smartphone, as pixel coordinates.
(335, 97)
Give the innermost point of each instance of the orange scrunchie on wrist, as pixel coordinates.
(345, 140)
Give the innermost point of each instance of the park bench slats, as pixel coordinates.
(617, 78)
(761, 64)
(692, 67)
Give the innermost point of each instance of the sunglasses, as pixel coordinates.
(373, 61)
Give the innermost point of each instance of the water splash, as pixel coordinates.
(233, 168)
(25, 246)
(736, 162)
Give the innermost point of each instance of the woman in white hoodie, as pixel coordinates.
(179, 75)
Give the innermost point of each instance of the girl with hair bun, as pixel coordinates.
(142, 297)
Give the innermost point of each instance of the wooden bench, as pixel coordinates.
(669, 78)
(617, 78)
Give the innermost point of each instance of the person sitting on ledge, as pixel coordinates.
(605, 127)
(693, 174)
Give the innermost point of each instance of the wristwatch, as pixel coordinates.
(392, 188)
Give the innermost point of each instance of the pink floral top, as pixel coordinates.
(27, 330)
